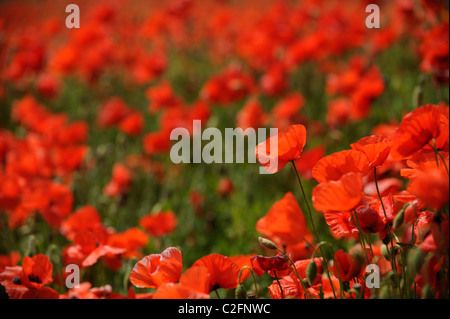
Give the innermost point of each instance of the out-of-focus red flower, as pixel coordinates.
(252, 115)
(112, 112)
(48, 85)
(161, 96)
(10, 260)
(132, 124)
(225, 187)
(159, 224)
(120, 182)
(286, 112)
(229, 86)
(157, 142)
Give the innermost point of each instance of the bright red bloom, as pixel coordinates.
(334, 166)
(274, 265)
(376, 148)
(415, 131)
(37, 271)
(157, 269)
(194, 284)
(285, 222)
(223, 272)
(342, 195)
(289, 146)
(347, 266)
(308, 160)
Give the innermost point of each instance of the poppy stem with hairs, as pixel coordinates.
(316, 234)
(279, 284)
(253, 276)
(393, 263)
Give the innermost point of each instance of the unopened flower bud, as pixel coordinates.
(311, 271)
(399, 218)
(240, 292)
(267, 243)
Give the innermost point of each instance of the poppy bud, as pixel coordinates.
(417, 259)
(311, 271)
(267, 243)
(240, 292)
(357, 287)
(251, 295)
(385, 293)
(399, 218)
(427, 292)
(385, 252)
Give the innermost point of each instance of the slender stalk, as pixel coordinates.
(316, 234)
(295, 270)
(279, 284)
(393, 263)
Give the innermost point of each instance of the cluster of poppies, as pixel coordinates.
(366, 219)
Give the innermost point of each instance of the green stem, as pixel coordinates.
(279, 284)
(393, 263)
(316, 234)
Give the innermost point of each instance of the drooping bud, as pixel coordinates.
(385, 293)
(399, 218)
(267, 243)
(240, 292)
(385, 252)
(417, 259)
(311, 271)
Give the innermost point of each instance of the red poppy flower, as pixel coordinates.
(159, 224)
(157, 142)
(341, 225)
(157, 269)
(225, 187)
(273, 265)
(347, 266)
(37, 271)
(130, 240)
(308, 160)
(10, 260)
(223, 272)
(369, 220)
(431, 187)
(120, 182)
(194, 284)
(285, 222)
(334, 166)
(112, 112)
(376, 148)
(342, 195)
(132, 124)
(288, 146)
(415, 131)
(242, 261)
(84, 218)
(252, 115)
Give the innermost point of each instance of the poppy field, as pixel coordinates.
(348, 199)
